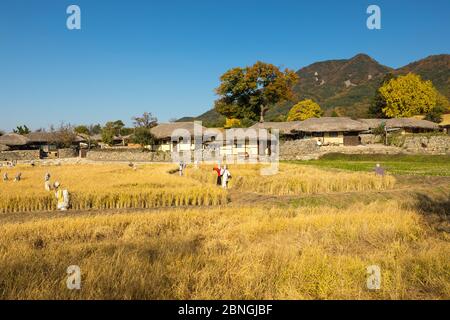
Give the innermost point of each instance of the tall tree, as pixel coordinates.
(378, 102)
(304, 110)
(408, 95)
(65, 135)
(95, 129)
(82, 129)
(249, 92)
(147, 120)
(118, 126)
(108, 133)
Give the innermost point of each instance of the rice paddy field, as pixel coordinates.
(309, 232)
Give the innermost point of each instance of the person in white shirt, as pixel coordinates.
(226, 176)
(47, 184)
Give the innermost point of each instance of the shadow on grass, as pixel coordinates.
(436, 211)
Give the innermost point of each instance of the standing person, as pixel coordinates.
(219, 177)
(226, 176)
(181, 168)
(379, 171)
(47, 184)
(62, 197)
(18, 177)
(5, 176)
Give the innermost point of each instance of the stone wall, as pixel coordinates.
(427, 144)
(128, 155)
(67, 153)
(299, 149)
(370, 139)
(20, 155)
(367, 149)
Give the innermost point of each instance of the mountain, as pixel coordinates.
(345, 87)
(435, 68)
(210, 118)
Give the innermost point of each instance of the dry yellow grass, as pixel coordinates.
(249, 252)
(118, 186)
(296, 180)
(106, 187)
(228, 253)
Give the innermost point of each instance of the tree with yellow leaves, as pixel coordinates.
(407, 96)
(232, 123)
(304, 110)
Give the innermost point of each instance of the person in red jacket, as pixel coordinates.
(219, 176)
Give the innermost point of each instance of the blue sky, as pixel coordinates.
(165, 57)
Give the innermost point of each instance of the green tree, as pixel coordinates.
(143, 136)
(249, 92)
(442, 106)
(304, 110)
(108, 133)
(378, 102)
(95, 129)
(407, 96)
(118, 126)
(22, 130)
(126, 131)
(82, 130)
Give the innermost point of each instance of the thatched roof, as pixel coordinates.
(283, 127)
(3, 147)
(411, 123)
(373, 123)
(96, 137)
(50, 137)
(445, 120)
(165, 130)
(13, 139)
(332, 124)
(42, 137)
(396, 123)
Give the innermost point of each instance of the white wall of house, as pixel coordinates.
(169, 146)
(336, 138)
(333, 138)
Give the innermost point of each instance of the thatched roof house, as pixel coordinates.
(285, 128)
(332, 124)
(373, 123)
(164, 131)
(327, 130)
(445, 123)
(411, 123)
(13, 140)
(43, 137)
